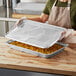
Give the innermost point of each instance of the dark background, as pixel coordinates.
(9, 72)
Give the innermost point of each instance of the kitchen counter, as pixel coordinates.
(62, 63)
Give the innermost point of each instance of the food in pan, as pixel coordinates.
(49, 50)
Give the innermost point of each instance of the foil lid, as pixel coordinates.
(37, 34)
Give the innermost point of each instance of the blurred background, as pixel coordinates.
(10, 10)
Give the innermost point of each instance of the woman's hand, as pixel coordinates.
(69, 36)
(20, 21)
(67, 33)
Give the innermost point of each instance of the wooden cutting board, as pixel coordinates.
(62, 63)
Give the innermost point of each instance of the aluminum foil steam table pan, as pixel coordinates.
(36, 52)
(36, 34)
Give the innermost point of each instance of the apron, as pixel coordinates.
(60, 16)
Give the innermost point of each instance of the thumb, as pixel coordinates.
(17, 22)
(68, 32)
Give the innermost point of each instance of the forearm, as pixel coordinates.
(38, 19)
(43, 18)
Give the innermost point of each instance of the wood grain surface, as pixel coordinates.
(62, 63)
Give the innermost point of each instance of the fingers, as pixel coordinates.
(63, 34)
(68, 32)
(19, 21)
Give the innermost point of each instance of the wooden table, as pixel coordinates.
(63, 63)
